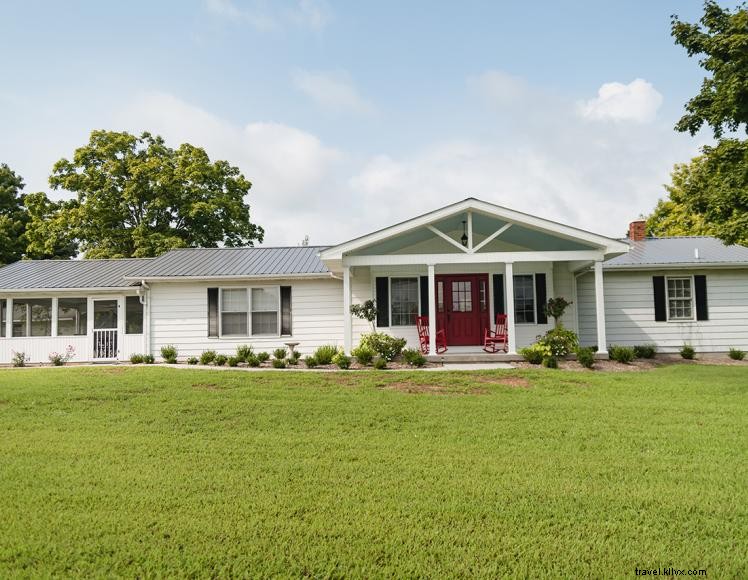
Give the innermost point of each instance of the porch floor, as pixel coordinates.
(471, 354)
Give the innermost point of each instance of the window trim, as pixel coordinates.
(248, 290)
(29, 321)
(85, 327)
(534, 299)
(692, 299)
(418, 311)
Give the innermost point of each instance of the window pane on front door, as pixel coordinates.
(462, 296)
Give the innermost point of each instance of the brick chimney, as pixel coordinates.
(637, 230)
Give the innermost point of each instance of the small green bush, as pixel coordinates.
(621, 354)
(233, 361)
(136, 359)
(414, 357)
(364, 355)
(253, 360)
(149, 359)
(325, 353)
(645, 350)
(293, 358)
(736, 354)
(207, 357)
(386, 346)
(342, 360)
(221, 360)
(535, 353)
(560, 341)
(263, 356)
(687, 352)
(586, 357)
(280, 353)
(169, 354)
(279, 363)
(243, 351)
(550, 362)
(311, 362)
(380, 363)
(193, 360)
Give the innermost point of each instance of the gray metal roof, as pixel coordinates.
(233, 262)
(41, 274)
(679, 250)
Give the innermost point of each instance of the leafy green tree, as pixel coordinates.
(721, 40)
(48, 235)
(708, 196)
(13, 216)
(136, 197)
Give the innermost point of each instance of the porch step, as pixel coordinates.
(473, 357)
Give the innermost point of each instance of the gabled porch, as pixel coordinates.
(463, 264)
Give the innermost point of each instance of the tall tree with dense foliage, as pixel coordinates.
(136, 197)
(709, 196)
(13, 216)
(48, 235)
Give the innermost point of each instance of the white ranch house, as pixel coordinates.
(465, 262)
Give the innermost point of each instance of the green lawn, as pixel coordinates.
(164, 472)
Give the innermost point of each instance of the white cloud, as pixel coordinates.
(332, 90)
(637, 101)
(312, 14)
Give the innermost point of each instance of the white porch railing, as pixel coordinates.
(105, 344)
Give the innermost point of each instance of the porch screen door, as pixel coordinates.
(105, 329)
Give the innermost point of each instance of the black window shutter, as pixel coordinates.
(213, 312)
(498, 294)
(424, 295)
(702, 310)
(285, 310)
(660, 300)
(540, 298)
(383, 302)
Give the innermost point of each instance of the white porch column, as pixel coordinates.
(55, 312)
(602, 342)
(9, 318)
(347, 317)
(509, 281)
(432, 310)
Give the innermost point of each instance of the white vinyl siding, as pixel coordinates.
(629, 311)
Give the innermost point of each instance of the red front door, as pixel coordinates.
(462, 306)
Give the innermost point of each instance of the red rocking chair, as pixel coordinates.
(496, 340)
(422, 323)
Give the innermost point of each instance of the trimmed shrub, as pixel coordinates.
(18, 359)
(293, 358)
(364, 355)
(169, 354)
(192, 360)
(535, 353)
(342, 361)
(263, 357)
(645, 350)
(621, 354)
(221, 360)
(736, 354)
(233, 361)
(586, 357)
(414, 357)
(550, 362)
(136, 359)
(380, 364)
(311, 362)
(149, 359)
(279, 363)
(243, 351)
(253, 360)
(325, 353)
(386, 346)
(280, 353)
(207, 357)
(687, 352)
(560, 341)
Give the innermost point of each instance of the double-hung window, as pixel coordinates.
(265, 306)
(524, 299)
(234, 311)
(680, 298)
(404, 293)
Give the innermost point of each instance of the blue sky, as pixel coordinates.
(348, 116)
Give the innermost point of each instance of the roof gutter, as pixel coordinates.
(84, 289)
(676, 266)
(316, 275)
